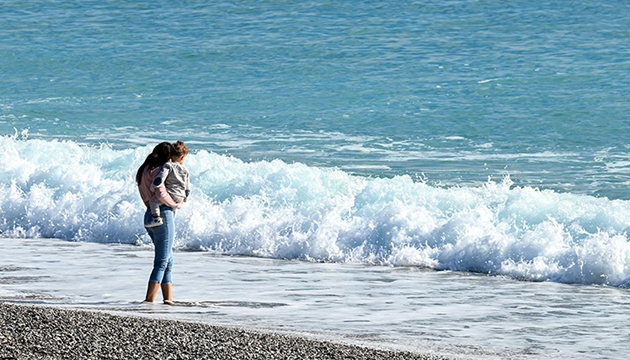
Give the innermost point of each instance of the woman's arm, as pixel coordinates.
(162, 195)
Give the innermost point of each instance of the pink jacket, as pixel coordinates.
(160, 192)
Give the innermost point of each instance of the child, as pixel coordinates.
(176, 180)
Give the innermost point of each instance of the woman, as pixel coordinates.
(163, 235)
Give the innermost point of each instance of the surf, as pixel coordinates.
(273, 209)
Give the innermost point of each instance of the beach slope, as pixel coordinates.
(34, 332)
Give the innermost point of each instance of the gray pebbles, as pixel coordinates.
(32, 332)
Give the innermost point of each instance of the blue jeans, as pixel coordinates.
(162, 237)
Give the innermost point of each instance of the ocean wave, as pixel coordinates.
(64, 190)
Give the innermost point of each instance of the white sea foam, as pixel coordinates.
(273, 209)
(454, 138)
(487, 81)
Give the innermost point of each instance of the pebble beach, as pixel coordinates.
(35, 332)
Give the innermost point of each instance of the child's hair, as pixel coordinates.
(179, 149)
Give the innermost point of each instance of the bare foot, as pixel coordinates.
(169, 302)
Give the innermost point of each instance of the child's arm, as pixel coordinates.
(161, 176)
(187, 186)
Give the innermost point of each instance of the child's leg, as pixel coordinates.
(154, 206)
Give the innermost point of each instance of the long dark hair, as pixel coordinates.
(160, 155)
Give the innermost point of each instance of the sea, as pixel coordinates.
(444, 177)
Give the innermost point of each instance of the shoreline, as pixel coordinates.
(43, 332)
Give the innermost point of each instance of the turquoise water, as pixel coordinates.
(457, 91)
(472, 136)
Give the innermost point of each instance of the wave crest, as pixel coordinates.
(64, 190)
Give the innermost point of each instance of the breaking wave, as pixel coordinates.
(64, 190)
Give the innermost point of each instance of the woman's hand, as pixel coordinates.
(162, 195)
(178, 205)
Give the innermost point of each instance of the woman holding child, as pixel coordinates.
(163, 185)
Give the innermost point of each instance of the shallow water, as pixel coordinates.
(472, 316)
